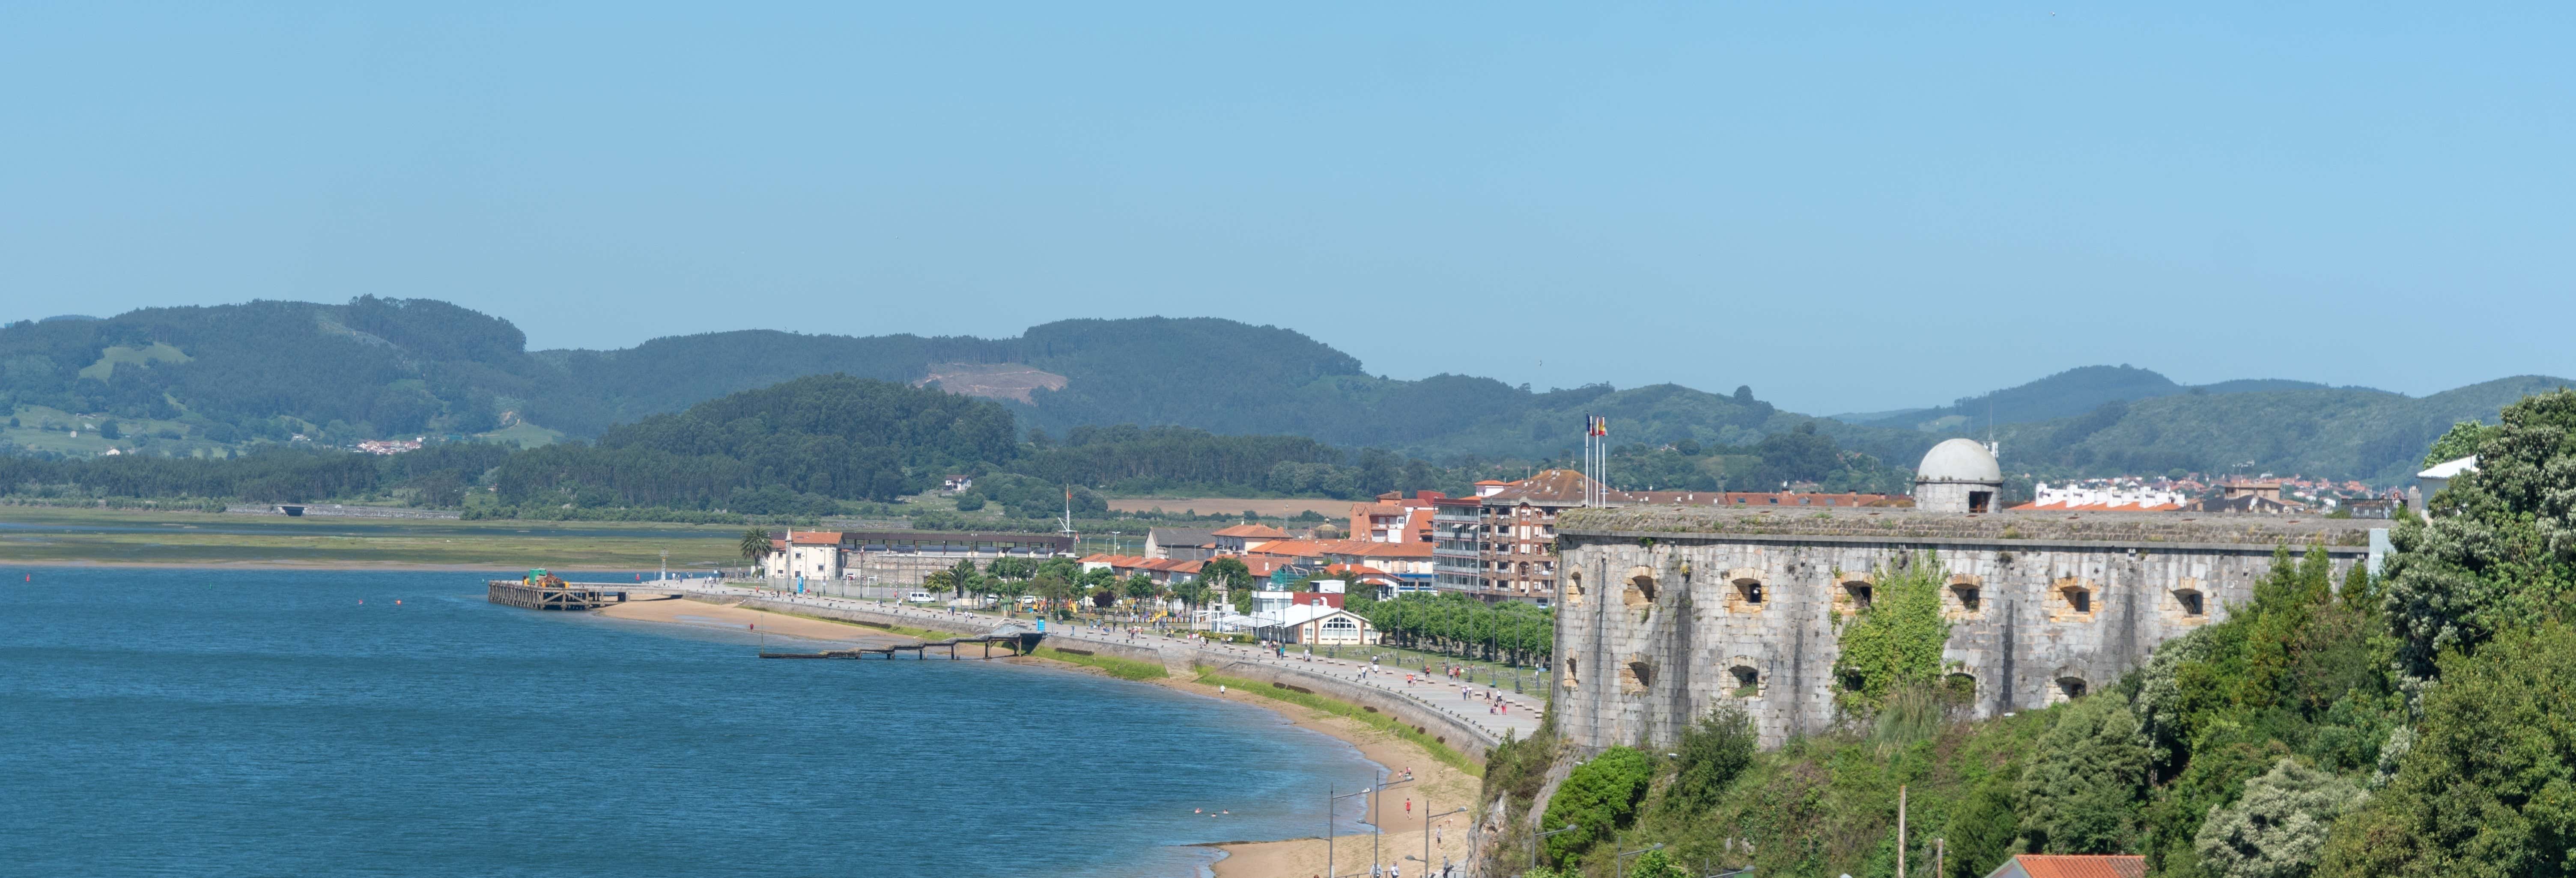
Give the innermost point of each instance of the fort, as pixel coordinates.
(1668, 612)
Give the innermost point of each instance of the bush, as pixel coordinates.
(1601, 795)
(1713, 754)
(2279, 827)
(2081, 790)
(969, 502)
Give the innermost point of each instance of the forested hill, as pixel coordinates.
(2065, 394)
(374, 368)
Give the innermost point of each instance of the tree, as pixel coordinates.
(961, 577)
(1599, 796)
(1140, 587)
(1657, 864)
(754, 545)
(2080, 792)
(107, 429)
(1982, 829)
(2501, 548)
(2460, 441)
(2488, 787)
(2278, 829)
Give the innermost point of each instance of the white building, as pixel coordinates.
(1317, 625)
(811, 554)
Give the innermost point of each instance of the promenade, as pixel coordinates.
(1179, 650)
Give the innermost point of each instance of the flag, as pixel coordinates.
(1596, 425)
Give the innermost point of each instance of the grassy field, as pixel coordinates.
(39, 536)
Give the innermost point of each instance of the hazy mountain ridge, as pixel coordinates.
(388, 367)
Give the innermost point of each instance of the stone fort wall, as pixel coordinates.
(1733, 606)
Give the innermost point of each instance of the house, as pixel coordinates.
(1395, 518)
(1243, 538)
(2433, 480)
(1183, 543)
(813, 554)
(2072, 866)
(956, 483)
(1316, 625)
(1273, 603)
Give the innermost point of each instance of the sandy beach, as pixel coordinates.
(679, 611)
(1435, 787)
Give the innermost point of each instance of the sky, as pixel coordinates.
(1849, 207)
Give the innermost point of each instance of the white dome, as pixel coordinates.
(1959, 460)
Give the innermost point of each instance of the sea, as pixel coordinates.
(248, 722)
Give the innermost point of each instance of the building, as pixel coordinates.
(1665, 612)
(2079, 498)
(2433, 479)
(1243, 538)
(1182, 543)
(814, 555)
(2255, 496)
(1501, 543)
(2072, 866)
(1395, 518)
(1316, 625)
(899, 557)
(1958, 475)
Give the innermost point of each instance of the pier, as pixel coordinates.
(572, 596)
(1019, 643)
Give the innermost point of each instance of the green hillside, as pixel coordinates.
(208, 379)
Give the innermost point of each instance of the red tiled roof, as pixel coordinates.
(815, 537)
(1253, 530)
(2083, 865)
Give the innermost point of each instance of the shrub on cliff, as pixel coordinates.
(1601, 795)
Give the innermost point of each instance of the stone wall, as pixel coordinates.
(1651, 637)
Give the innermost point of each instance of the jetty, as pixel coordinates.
(568, 596)
(1018, 642)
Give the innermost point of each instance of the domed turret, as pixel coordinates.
(1958, 475)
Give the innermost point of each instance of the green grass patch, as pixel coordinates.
(1338, 707)
(1124, 669)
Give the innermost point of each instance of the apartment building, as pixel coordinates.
(1395, 518)
(1501, 544)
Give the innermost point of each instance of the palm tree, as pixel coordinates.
(755, 545)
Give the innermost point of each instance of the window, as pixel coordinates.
(1339, 624)
(2071, 687)
(1749, 590)
(1858, 595)
(2079, 600)
(1570, 675)
(2190, 601)
(1968, 596)
(1636, 677)
(1748, 682)
(1979, 500)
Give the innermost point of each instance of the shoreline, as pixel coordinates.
(1434, 781)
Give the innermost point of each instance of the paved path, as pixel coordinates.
(1476, 710)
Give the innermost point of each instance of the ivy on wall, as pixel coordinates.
(1896, 642)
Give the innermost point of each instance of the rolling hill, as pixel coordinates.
(267, 371)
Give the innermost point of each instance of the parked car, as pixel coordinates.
(919, 597)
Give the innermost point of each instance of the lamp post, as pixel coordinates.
(1377, 823)
(1535, 839)
(1427, 817)
(1617, 862)
(1332, 866)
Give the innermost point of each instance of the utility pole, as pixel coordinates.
(1900, 831)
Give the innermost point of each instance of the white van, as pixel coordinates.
(919, 597)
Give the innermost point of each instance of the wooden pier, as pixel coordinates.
(1019, 644)
(573, 596)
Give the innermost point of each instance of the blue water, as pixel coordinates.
(192, 722)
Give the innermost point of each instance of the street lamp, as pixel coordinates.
(1534, 840)
(1331, 866)
(1427, 817)
(1622, 858)
(1377, 826)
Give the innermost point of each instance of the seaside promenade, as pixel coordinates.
(1471, 708)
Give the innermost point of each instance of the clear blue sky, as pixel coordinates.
(1845, 206)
